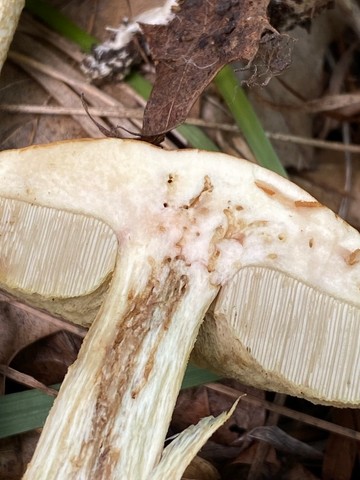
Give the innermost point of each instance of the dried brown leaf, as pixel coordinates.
(200, 40)
(200, 469)
(19, 329)
(298, 472)
(196, 403)
(283, 442)
(340, 452)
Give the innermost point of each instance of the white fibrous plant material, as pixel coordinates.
(116, 56)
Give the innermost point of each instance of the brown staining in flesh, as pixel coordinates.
(268, 189)
(153, 309)
(353, 257)
(311, 242)
(258, 224)
(207, 188)
(232, 230)
(306, 204)
(272, 256)
(213, 259)
(214, 252)
(234, 227)
(274, 193)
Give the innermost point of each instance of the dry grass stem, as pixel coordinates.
(137, 113)
(287, 412)
(26, 380)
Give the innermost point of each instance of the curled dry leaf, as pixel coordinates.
(200, 469)
(193, 47)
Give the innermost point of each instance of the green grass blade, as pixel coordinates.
(24, 411)
(247, 120)
(197, 138)
(60, 23)
(195, 376)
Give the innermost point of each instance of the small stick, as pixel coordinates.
(288, 412)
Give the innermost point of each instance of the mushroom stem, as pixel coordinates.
(112, 414)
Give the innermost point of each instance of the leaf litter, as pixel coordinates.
(234, 462)
(201, 39)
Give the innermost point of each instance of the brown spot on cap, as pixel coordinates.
(311, 242)
(272, 256)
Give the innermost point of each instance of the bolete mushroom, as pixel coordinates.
(152, 236)
(10, 11)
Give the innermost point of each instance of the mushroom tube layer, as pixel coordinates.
(138, 242)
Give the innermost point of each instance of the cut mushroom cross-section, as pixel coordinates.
(152, 236)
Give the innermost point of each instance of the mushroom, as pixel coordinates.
(151, 236)
(10, 11)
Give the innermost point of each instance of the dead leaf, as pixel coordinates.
(240, 467)
(196, 403)
(16, 453)
(298, 472)
(190, 51)
(200, 469)
(283, 442)
(19, 329)
(341, 452)
(49, 358)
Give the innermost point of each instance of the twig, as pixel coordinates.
(137, 113)
(119, 112)
(27, 380)
(288, 412)
(338, 146)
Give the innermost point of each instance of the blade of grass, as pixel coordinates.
(24, 411)
(60, 23)
(197, 376)
(247, 120)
